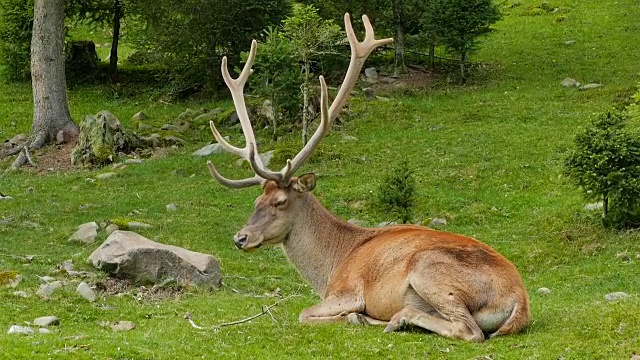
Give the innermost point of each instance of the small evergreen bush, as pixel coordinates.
(397, 192)
(606, 165)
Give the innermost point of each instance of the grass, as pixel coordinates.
(488, 157)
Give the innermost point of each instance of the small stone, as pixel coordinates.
(13, 283)
(30, 190)
(209, 150)
(139, 116)
(123, 326)
(46, 290)
(22, 330)
(369, 93)
(134, 161)
(46, 279)
(435, 222)
(22, 294)
(544, 291)
(356, 222)
(86, 291)
(172, 207)
(387, 223)
(6, 220)
(106, 175)
(594, 206)
(616, 296)
(45, 321)
(171, 127)
(569, 82)
(111, 228)
(589, 86)
(86, 233)
(173, 139)
(118, 166)
(44, 331)
(569, 42)
(138, 225)
(371, 73)
(382, 98)
(349, 138)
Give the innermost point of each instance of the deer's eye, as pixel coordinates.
(280, 203)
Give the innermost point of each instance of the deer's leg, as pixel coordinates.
(457, 329)
(362, 319)
(332, 309)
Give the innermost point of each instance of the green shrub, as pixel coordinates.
(396, 194)
(606, 165)
(16, 21)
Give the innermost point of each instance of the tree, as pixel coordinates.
(16, 21)
(51, 119)
(310, 36)
(606, 166)
(460, 23)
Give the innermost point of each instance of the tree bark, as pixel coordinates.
(117, 16)
(400, 66)
(50, 105)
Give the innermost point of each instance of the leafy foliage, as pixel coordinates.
(606, 165)
(16, 21)
(396, 194)
(189, 37)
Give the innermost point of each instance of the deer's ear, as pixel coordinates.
(305, 182)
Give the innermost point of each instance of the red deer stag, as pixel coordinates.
(403, 275)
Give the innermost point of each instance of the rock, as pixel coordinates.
(172, 207)
(45, 321)
(355, 221)
(21, 330)
(544, 291)
(111, 228)
(589, 86)
(10, 278)
(130, 255)
(123, 326)
(594, 206)
(101, 138)
(22, 294)
(171, 127)
(616, 296)
(6, 220)
(67, 266)
(386, 223)
(369, 93)
(209, 150)
(44, 331)
(387, 80)
(86, 233)
(118, 166)
(63, 137)
(569, 42)
(266, 157)
(371, 74)
(13, 283)
(46, 290)
(349, 138)
(152, 140)
(267, 111)
(86, 291)
(569, 82)
(134, 161)
(107, 175)
(173, 140)
(46, 279)
(382, 98)
(435, 222)
(144, 127)
(139, 116)
(134, 225)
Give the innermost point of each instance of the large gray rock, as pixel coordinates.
(129, 255)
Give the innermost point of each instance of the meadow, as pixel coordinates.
(487, 156)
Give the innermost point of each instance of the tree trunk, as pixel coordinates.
(51, 119)
(399, 66)
(605, 207)
(463, 60)
(432, 55)
(117, 16)
(305, 102)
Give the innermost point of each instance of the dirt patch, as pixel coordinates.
(414, 79)
(53, 158)
(124, 287)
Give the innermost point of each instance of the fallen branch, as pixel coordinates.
(266, 310)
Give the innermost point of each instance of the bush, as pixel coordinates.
(606, 165)
(16, 21)
(396, 194)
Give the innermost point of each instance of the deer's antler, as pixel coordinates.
(359, 53)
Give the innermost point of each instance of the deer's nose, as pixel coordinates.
(240, 240)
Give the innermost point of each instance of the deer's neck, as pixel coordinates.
(319, 241)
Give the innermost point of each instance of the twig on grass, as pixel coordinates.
(266, 310)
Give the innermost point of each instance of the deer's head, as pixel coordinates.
(276, 208)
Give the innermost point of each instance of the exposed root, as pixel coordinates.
(266, 310)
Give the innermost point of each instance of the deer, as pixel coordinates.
(394, 276)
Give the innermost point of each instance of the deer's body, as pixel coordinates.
(450, 284)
